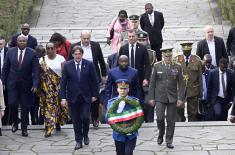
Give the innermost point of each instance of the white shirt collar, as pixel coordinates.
(21, 50)
(89, 46)
(78, 63)
(210, 41)
(221, 71)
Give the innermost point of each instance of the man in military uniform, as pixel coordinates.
(166, 91)
(142, 38)
(135, 24)
(192, 73)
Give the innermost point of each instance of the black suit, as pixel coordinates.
(155, 31)
(142, 63)
(31, 42)
(6, 120)
(100, 66)
(220, 51)
(213, 88)
(97, 55)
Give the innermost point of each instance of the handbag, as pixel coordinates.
(112, 31)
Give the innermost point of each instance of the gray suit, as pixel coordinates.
(166, 87)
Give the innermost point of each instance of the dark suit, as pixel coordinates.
(231, 42)
(220, 105)
(100, 66)
(19, 80)
(97, 55)
(6, 120)
(32, 42)
(78, 93)
(142, 63)
(112, 60)
(220, 51)
(155, 31)
(116, 73)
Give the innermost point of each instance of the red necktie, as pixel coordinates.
(20, 58)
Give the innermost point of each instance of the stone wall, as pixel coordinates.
(227, 8)
(12, 14)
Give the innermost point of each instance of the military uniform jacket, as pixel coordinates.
(192, 75)
(166, 85)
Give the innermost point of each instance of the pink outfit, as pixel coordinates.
(118, 29)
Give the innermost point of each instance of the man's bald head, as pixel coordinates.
(209, 32)
(207, 60)
(123, 62)
(85, 37)
(25, 29)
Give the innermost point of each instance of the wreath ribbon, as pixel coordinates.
(125, 116)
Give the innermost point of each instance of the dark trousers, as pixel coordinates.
(158, 52)
(125, 148)
(34, 110)
(95, 110)
(80, 113)
(7, 119)
(148, 113)
(23, 97)
(170, 109)
(220, 109)
(192, 108)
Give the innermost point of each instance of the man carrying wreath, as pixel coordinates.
(125, 116)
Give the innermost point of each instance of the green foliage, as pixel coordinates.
(227, 8)
(12, 14)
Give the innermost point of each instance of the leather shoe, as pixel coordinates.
(160, 140)
(78, 146)
(25, 133)
(86, 140)
(47, 134)
(14, 127)
(58, 128)
(95, 124)
(169, 145)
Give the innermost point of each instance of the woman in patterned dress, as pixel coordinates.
(51, 67)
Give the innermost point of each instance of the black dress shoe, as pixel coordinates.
(58, 128)
(78, 146)
(95, 124)
(0, 132)
(170, 146)
(25, 133)
(160, 140)
(86, 140)
(14, 127)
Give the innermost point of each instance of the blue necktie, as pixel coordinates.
(78, 71)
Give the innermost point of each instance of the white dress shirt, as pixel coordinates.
(87, 52)
(151, 18)
(2, 57)
(211, 45)
(134, 47)
(221, 93)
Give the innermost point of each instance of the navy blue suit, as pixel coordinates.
(220, 105)
(32, 42)
(20, 80)
(116, 73)
(78, 93)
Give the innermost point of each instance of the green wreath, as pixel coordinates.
(129, 126)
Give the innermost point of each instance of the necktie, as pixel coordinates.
(78, 71)
(20, 58)
(132, 57)
(186, 61)
(223, 84)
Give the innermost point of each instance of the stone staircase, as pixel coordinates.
(173, 35)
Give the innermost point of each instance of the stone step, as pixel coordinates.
(173, 35)
(145, 125)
